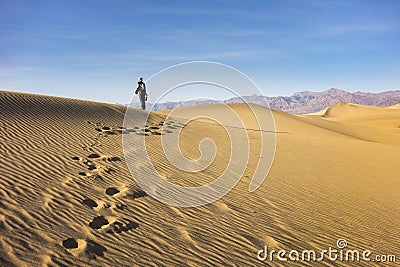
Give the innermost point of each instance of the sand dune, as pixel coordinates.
(397, 106)
(373, 124)
(68, 198)
(321, 112)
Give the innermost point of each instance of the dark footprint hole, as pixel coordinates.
(98, 129)
(138, 194)
(112, 191)
(92, 167)
(75, 158)
(82, 173)
(110, 170)
(105, 128)
(94, 156)
(131, 225)
(98, 222)
(154, 127)
(70, 243)
(119, 227)
(90, 203)
(95, 248)
(156, 133)
(111, 159)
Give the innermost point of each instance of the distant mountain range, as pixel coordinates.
(301, 102)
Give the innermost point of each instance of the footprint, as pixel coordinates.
(94, 156)
(92, 167)
(105, 128)
(110, 170)
(82, 173)
(112, 159)
(70, 243)
(94, 249)
(154, 127)
(119, 227)
(81, 247)
(75, 158)
(90, 203)
(98, 222)
(112, 191)
(138, 194)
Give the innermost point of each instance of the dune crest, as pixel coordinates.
(346, 109)
(397, 106)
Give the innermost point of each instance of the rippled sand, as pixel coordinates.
(68, 199)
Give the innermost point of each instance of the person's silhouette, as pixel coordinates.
(141, 90)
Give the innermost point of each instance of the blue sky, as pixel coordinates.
(95, 50)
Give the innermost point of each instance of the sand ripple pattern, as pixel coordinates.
(67, 197)
(202, 74)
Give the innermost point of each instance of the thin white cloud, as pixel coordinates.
(220, 54)
(356, 28)
(13, 71)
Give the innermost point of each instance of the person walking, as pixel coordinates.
(141, 90)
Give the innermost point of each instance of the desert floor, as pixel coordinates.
(67, 197)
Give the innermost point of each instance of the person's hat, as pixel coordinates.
(140, 79)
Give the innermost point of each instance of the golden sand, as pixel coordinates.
(68, 199)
